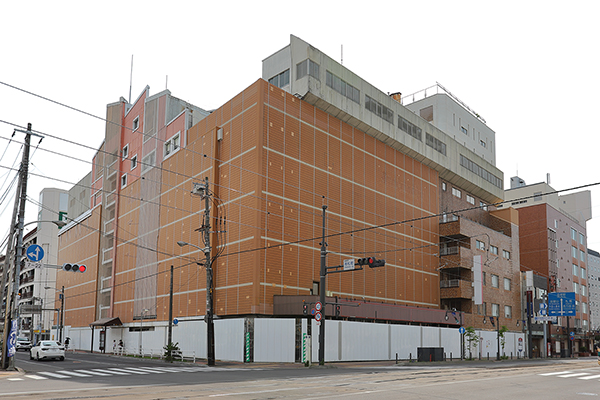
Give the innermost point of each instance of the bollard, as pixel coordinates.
(488, 356)
(396, 358)
(450, 356)
(409, 356)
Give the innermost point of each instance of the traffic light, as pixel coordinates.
(69, 267)
(337, 311)
(372, 262)
(305, 309)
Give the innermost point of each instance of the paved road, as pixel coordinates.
(107, 377)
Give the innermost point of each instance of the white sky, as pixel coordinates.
(528, 67)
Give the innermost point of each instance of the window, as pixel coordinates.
(148, 161)
(456, 192)
(136, 123)
(379, 109)
(412, 129)
(281, 79)
(483, 278)
(576, 287)
(134, 162)
(581, 238)
(507, 311)
(574, 251)
(495, 281)
(573, 234)
(495, 310)
(583, 290)
(435, 143)
(172, 145)
(494, 250)
(482, 143)
(583, 274)
(123, 180)
(482, 172)
(464, 130)
(581, 255)
(307, 67)
(444, 186)
(342, 87)
(125, 152)
(584, 308)
(479, 245)
(506, 284)
(483, 206)
(470, 199)
(575, 270)
(506, 254)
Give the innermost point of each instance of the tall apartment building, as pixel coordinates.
(553, 245)
(314, 135)
(594, 289)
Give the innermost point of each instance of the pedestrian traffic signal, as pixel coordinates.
(305, 309)
(337, 311)
(372, 262)
(74, 267)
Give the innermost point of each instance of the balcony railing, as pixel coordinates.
(450, 283)
(446, 251)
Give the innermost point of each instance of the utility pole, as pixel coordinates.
(322, 293)
(11, 298)
(170, 333)
(62, 314)
(210, 324)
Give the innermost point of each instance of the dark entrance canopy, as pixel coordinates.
(109, 321)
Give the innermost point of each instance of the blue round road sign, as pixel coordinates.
(175, 321)
(35, 253)
(461, 329)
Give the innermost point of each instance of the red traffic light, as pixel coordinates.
(69, 267)
(372, 262)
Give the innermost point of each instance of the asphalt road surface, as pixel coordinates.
(87, 376)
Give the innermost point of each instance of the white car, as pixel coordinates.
(47, 349)
(23, 344)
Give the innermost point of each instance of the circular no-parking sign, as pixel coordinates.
(318, 306)
(318, 317)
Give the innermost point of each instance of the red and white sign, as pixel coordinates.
(318, 317)
(318, 306)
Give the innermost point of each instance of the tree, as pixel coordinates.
(472, 339)
(501, 332)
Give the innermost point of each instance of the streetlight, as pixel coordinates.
(210, 326)
(61, 315)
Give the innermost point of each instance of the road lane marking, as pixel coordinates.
(556, 373)
(129, 371)
(35, 377)
(53, 375)
(73, 373)
(573, 375)
(146, 369)
(110, 372)
(85, 371)
(590, 377)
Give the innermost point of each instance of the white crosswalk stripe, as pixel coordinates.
(73, 373)
(590, 377)
(91, 372)
(35, 377)
(87, 373)
(573, 375)
(130, 371)
(556, 373)
(108, 371)
(53, 375)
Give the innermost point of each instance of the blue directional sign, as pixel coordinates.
(175, 321)
(11, 346)
(35, 253)
(561, 304)
(461, 330)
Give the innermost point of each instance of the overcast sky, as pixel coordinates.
(528, 67)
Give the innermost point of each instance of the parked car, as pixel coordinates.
(47, 349)
(23, 344)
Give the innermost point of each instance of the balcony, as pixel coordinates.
(456, 289)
